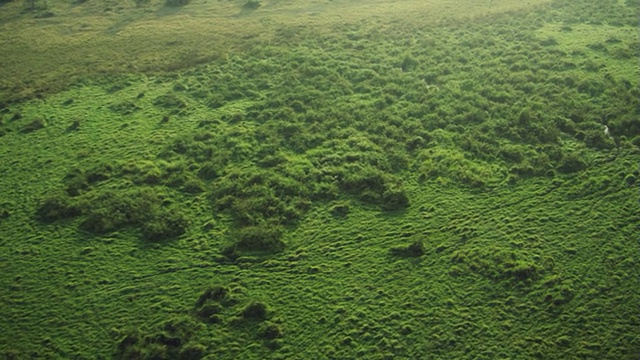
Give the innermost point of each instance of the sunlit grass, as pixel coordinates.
(119, 37)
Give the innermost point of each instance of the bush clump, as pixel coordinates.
(209, 305)
(340, 210)
(374, 187)
(209, 313)
(261, 202)
(255, 311)
(78, 180)
(415, 249)
(171, 101)
(497, 264)
(35, 124)
(170, 341)
(142, 208)
(111, 210)
(4, 213)
(216, 293)
(35, 5)
(164, 224)
(572, 162)
(453, 164)
(251, 5)
(270, 331)
(57, 207)
(176, 2)
(192, 352)
(263, 237)
(394, 199)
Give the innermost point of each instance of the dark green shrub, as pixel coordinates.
(130, 346)
(598, 140)
(270, 331)
(76, 182)
(216, 293)
(255, 311)
(497, 263)
(254, 196)
(4, 213)
(591, 86)
(522, 170)
(340, 210)
(100, 172)
(124, 108)
(261, 237)
(163, 224)
(520, 270)
(363, 180)
(512, 153)
(16, 116)
(176, 2)
(630, 179)
(193, 186)
(394, 199)
(192, 352)
(272, 160)
(140, 208)
(171, 101)
(57, 207)
(565, 125)
(75, 125)
(251, 5)
(165, 341)
(142, 172)
(253, 210)
(100, 221)
(209, 313)
(409, 63)
(182, 327)
(34, 125)
(416, 142)
(634, 4)
(415, 249)
(208, 171)
(572, 162)
(36, 4)
(111, 210)
(230, 252)
(559, 295)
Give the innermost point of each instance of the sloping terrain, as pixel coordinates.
(340, 180)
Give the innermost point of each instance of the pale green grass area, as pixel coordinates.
(614, 46)
(116, 37)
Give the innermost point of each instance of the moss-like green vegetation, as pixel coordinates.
(446, 186)
(132, 203)
(215, 309)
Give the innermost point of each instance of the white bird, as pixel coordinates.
(606, 131)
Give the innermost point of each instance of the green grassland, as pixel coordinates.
(321, 180)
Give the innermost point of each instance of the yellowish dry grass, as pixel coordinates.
(46, 54)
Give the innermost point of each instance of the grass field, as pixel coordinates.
(319, 180)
